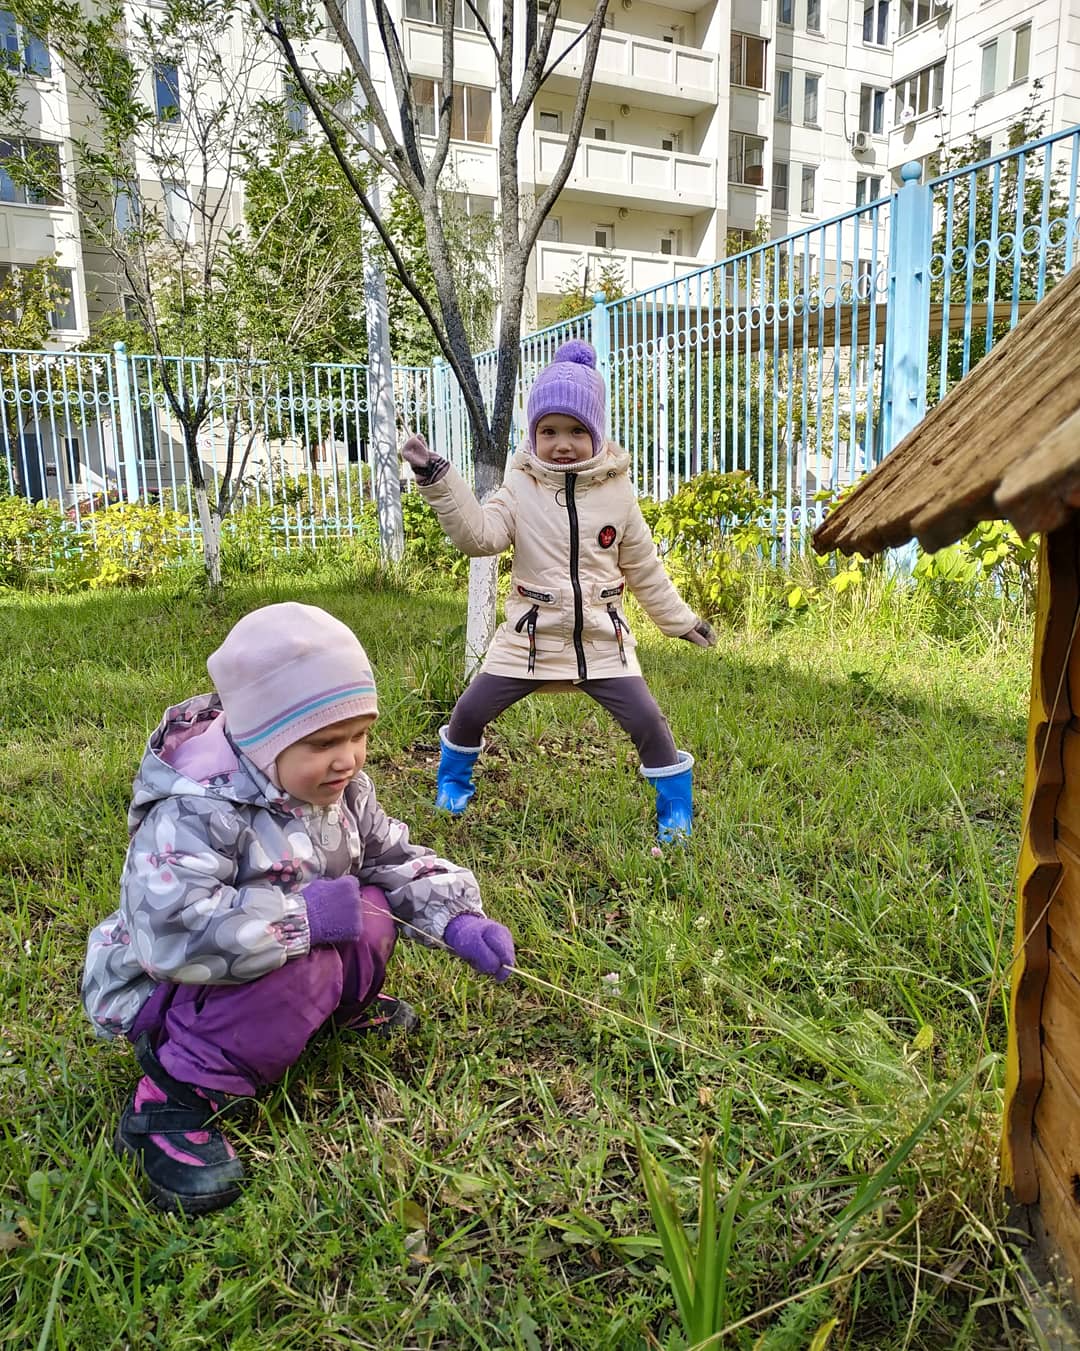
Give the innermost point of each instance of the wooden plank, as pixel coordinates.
(1060, 1021)
(1038, 867)
(942, 477)
(1061, 1216)
(1065, 905)
(1038, 492)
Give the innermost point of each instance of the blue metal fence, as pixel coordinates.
(802, 361)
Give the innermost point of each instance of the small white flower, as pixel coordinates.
(669, 953)
(612, 978)
(26, 947)
(701, 921)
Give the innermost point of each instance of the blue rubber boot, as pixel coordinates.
(674, 798)
(455, 785)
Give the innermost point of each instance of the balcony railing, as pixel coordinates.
(556, 262)
(674, 181)
(664, 71)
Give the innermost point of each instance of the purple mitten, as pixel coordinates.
(485, 945)
(333, 910)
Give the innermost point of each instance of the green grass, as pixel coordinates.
(815, 983)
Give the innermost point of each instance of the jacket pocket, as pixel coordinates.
(608, 630)
(535, 620)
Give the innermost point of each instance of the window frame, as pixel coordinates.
(1025, 28)
(782, 110)
(872, 109)
(912, 80)
(739, 77)
(814, 7)
(915, 7)
(738, 158)
(23, 147)
(166, 112)
(814, 121)
(809, 175)
(17, 57)
(878, 12)
(784, 187)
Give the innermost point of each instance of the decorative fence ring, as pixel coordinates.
(1007, 253)
(982, 253)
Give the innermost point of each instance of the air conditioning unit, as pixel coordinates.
(907, 116)
(860, 141)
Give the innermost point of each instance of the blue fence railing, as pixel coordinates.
(802, 361)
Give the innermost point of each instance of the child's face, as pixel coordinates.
(317, 768)
(562, 440)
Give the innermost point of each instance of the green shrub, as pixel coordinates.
(711, 535)
(128, 544)
(35, 540)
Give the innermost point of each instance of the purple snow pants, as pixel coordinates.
(239, 1038)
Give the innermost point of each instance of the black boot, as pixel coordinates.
(188, 1164)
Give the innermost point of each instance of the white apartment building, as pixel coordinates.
(705, 119)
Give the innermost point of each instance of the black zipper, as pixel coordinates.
(579, 616)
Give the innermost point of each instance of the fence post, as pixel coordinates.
(907, 324)
(128, 449)
(601, 334)
(907, 320)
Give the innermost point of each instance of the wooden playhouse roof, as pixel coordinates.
(1004, 442)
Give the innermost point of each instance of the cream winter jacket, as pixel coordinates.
(579, 540)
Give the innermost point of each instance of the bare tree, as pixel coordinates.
(416, 163)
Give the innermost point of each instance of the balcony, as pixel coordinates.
(660, 75)
(556, 261)
(677, 183)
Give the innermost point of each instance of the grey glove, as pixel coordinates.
(427, 467)
(701, 634)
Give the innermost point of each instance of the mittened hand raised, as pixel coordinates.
(486, 946)
(334, 910)
(701, 634)
(416, 454)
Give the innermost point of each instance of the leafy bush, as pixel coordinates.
(711, 534)
(34, 540)
(128, 544)
(425, 543)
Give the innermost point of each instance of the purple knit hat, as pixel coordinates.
(573, 386)
(283, 672)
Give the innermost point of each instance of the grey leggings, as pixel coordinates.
(626, 698)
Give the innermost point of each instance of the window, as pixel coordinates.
(470, 118)
(867, 188)
(295, 110)
(551, 229)
(988, 70)
(671, 243)
(746, 156)
(423, 93)
(739, 241)
(125, 207)
(809, 178)
(783, 95)
(166, 91)
(813, 16)
(748, 61)
(779, 185)
(604, 236)
(913, 14)
(600, 131)
(1021, 53)
(549, 121)
(428, 11)
(465, 17)
(470, 112)
(30, 172)
(922, 92)
(875, 22)
(177, 210)
(983, 148)
(872, 110)
(21, 49)
(810, 100)
(671, 142)
(62, 311)
(785, 12)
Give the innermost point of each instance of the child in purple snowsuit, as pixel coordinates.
(259, 895)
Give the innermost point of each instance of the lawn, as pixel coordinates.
(816, 982)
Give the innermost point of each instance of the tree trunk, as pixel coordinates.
(483, 582)
(210, 524)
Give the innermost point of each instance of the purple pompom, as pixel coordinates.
(579, 352)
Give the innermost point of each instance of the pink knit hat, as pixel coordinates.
(573, 386)
(285, 671)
